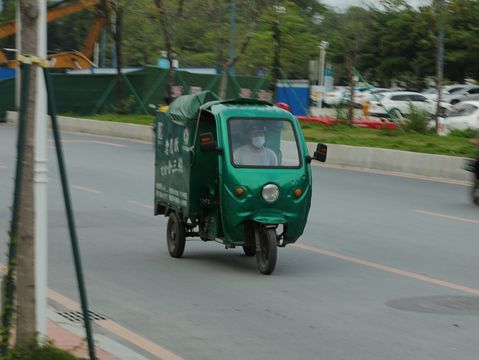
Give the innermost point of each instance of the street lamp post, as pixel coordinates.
(322, 57)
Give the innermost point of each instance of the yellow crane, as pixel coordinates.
(66, 59)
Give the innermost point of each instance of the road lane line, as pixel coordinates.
(137, 203)
(113, 327)
(389, 269)
(82, 188)
(445, 216)
(63, 300)
(92, 142)
(137, 340)
(110, 137)
(396, 174)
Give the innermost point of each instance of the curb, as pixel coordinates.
(437, 166)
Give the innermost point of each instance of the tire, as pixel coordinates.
(266, 257)
(454, 102)
(475, 192)
(175, 236)
(249, 250)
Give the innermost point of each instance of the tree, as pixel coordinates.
(26, 317)
(462, 39)
(353, 30)
(167, 27)
(255, 8)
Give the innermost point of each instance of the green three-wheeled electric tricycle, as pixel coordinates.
(237, 172)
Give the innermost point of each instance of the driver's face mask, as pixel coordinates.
(258, 141)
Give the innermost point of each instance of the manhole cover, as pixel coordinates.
(77, 316)
(448, 305)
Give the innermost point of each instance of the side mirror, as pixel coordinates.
(320, 153)
(207, 142)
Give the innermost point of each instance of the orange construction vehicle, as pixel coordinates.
(66, 59)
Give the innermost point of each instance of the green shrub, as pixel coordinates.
(46, 352)
(341, 113)
(468, 133)
(417, 120)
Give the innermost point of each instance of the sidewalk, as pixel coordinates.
(73, 343)
(70, 336)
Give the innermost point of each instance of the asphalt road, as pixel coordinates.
(387, 267)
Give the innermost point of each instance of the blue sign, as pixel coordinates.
(163, 63)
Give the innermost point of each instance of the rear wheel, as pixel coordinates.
(266, 257)
(175, 236)
(475, 192)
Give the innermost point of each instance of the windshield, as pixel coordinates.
(460, 90)
(461, 110)
(263, 143)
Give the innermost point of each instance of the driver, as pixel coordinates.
(255, 153)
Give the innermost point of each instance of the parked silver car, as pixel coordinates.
(470, 92)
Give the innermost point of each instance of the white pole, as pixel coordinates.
(18, 45)
(41, 180)
(322, 57)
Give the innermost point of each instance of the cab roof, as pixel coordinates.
(185, 109)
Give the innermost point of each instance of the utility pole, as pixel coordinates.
(322, 57)
(41, 180)
(277, 47)
(228, 67)
(440, 61)
(18, 46)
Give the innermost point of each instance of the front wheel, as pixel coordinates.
(175, 236)
(268, 249)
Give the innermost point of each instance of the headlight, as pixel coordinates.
(270, 192)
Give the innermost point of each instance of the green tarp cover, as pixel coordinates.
(184, 109)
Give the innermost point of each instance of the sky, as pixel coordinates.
(342, 4)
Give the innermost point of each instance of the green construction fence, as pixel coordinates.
(86, 94)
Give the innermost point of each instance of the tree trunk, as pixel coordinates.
(26, 316)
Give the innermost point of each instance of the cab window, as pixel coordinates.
(263, 143)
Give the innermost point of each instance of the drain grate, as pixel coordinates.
(77, 316)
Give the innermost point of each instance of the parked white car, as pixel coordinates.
(336, 97)
(368, 95)
(399, 104)
(462, 116)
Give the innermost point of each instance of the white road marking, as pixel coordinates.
(82, 188)
(449, 217)
(389, 269)
(137, 203)
(92, 142)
